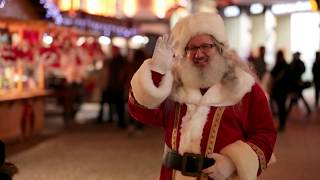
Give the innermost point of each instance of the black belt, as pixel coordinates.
(189, 164)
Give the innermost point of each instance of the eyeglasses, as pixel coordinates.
(203, 48)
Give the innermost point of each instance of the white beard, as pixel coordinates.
(195, 77)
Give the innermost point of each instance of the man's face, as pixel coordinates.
(199, 50)
(202, 66)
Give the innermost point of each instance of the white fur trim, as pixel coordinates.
(217, 95)
(244, 158)
(192, 126)
(144, 90)
(199, 23)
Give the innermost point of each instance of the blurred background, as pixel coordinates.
(66, 65)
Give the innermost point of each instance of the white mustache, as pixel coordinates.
(200, 59)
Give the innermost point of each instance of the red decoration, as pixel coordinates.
(7, 53)
(24, 55)
(31, 36)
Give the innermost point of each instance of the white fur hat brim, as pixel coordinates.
(199, 23)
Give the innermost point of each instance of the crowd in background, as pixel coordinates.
(284, 84)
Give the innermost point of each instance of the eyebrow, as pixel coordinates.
(201, 44)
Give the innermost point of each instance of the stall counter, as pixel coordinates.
(21, 114)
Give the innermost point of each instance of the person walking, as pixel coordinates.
(297, 68)
(115, 88)
(316, 77)
(280, 88)
(259, 63)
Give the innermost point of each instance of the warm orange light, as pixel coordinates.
(93, 7)
(101, 7)
(314, 5)
(66, 5)
(129, 7)
(160, 7)
(75, 4)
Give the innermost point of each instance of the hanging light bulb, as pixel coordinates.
(231, 11)
(256, 8)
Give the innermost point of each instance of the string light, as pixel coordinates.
(106, 28)
(52, 11)
(46, 39)
(104, 40)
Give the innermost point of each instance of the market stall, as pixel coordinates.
(21, 80)
(30, 57)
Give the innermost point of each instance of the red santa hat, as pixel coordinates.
(199, 23)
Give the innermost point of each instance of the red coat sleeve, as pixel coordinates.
(261, 131)
(143, 114)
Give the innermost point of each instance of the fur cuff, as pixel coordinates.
(244, 158)
(144, 89)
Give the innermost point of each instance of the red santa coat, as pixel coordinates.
(246, 132)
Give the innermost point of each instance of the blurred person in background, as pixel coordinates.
(114, 91)
(103, 84)
(216, 118)
(296, 69)
(259, 63)
(251, 57)
(316, 77)
(280, 88)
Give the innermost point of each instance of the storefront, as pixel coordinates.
(21, 76)
(62, 55)
(31, 52)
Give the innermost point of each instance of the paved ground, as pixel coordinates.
(104, 152)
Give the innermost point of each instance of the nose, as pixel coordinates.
(199, 53)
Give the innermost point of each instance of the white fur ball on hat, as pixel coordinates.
(199, 23)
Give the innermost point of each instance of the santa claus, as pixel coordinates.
(216, 119)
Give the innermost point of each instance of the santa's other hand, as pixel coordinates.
(222, 169)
